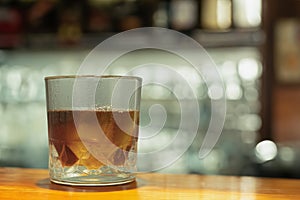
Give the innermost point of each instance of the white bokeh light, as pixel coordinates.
(287, 154)
(249, 69)
(215, 92)
(266, 150)
(233, 91)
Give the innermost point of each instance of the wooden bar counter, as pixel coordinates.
(17, 183)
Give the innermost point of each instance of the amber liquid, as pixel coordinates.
(92, 144)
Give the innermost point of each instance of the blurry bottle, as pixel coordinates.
(247, 13)
(99, 16)
(41, 16)
(161, 15)
(127, 15)
(147, 10)
(72, 18)
(184, 14)
(216, 14)
(10, 24)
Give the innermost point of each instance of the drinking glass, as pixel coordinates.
(93, 124)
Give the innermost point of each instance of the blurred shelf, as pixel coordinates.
(230, 38)
(51, 41)
(214, 39)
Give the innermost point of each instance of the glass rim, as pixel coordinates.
(91, 76)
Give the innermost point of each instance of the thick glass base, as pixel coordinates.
(94, 180)
(81, 176)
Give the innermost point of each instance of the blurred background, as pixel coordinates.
(254, 43)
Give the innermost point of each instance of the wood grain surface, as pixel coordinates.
(18, 183)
